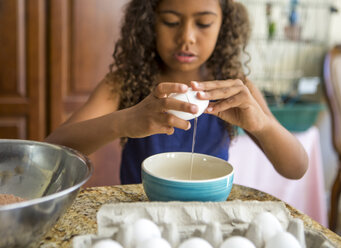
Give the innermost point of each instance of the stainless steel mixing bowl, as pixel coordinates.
(48, 176)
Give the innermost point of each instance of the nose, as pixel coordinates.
(187, 34)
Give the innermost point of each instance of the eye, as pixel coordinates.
(170, 24)
(204, 25)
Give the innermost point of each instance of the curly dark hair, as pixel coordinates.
(137, 63)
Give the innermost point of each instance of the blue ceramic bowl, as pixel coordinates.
(170, 177)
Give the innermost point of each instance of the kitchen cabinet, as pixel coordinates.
(52, 55)
(23, 112)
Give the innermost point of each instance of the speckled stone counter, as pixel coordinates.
(81, 217)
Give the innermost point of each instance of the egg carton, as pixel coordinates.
(212, 221)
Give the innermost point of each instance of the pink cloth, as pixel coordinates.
(254, 170)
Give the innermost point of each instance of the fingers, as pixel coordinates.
(162, 90)
(157, 105)
(158, 119)
(216, 90)
(223, 93)
(210, 85)
(174, 121)
(168, 122)
(236, 101)
(166, 104)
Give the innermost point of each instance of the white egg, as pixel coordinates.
(282, 240)
(189, 96)
(144, 229)
(237, 242)
(262, 227)
(195, 243)
(106, 243)
(269, 224)
(154, 243)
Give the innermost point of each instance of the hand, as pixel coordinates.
(235, 104)
(150, 115)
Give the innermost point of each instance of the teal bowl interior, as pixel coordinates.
(173, 177)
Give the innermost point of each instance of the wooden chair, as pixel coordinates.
(332, 87)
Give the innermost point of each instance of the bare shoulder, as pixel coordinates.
(105, 95)
(103, 100)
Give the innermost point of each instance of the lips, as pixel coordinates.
(185, 57)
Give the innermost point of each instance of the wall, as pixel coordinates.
(335, 34)
(281, 58)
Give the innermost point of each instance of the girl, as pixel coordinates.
(165, 47)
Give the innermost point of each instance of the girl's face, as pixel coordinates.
(186, 32)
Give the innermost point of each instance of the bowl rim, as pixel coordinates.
(144, 169)
(46, 198)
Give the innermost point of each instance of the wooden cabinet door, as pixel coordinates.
(81, 35)
(22, 69)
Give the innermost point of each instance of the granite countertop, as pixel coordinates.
(80, 218)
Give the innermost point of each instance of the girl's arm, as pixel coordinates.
(243, 105)
(99, 121)
(93, 125)
(280, 146)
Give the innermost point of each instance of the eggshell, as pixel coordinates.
(195, 243)
(154, 243)
(107, 243)
(144, 229)
(189, 96)
(262, 227)
(282, 240)
(237, 242)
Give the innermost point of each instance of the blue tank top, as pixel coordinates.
(211, 138)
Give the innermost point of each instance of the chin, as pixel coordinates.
(185, 67)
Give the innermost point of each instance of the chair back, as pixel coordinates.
(332, 84)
